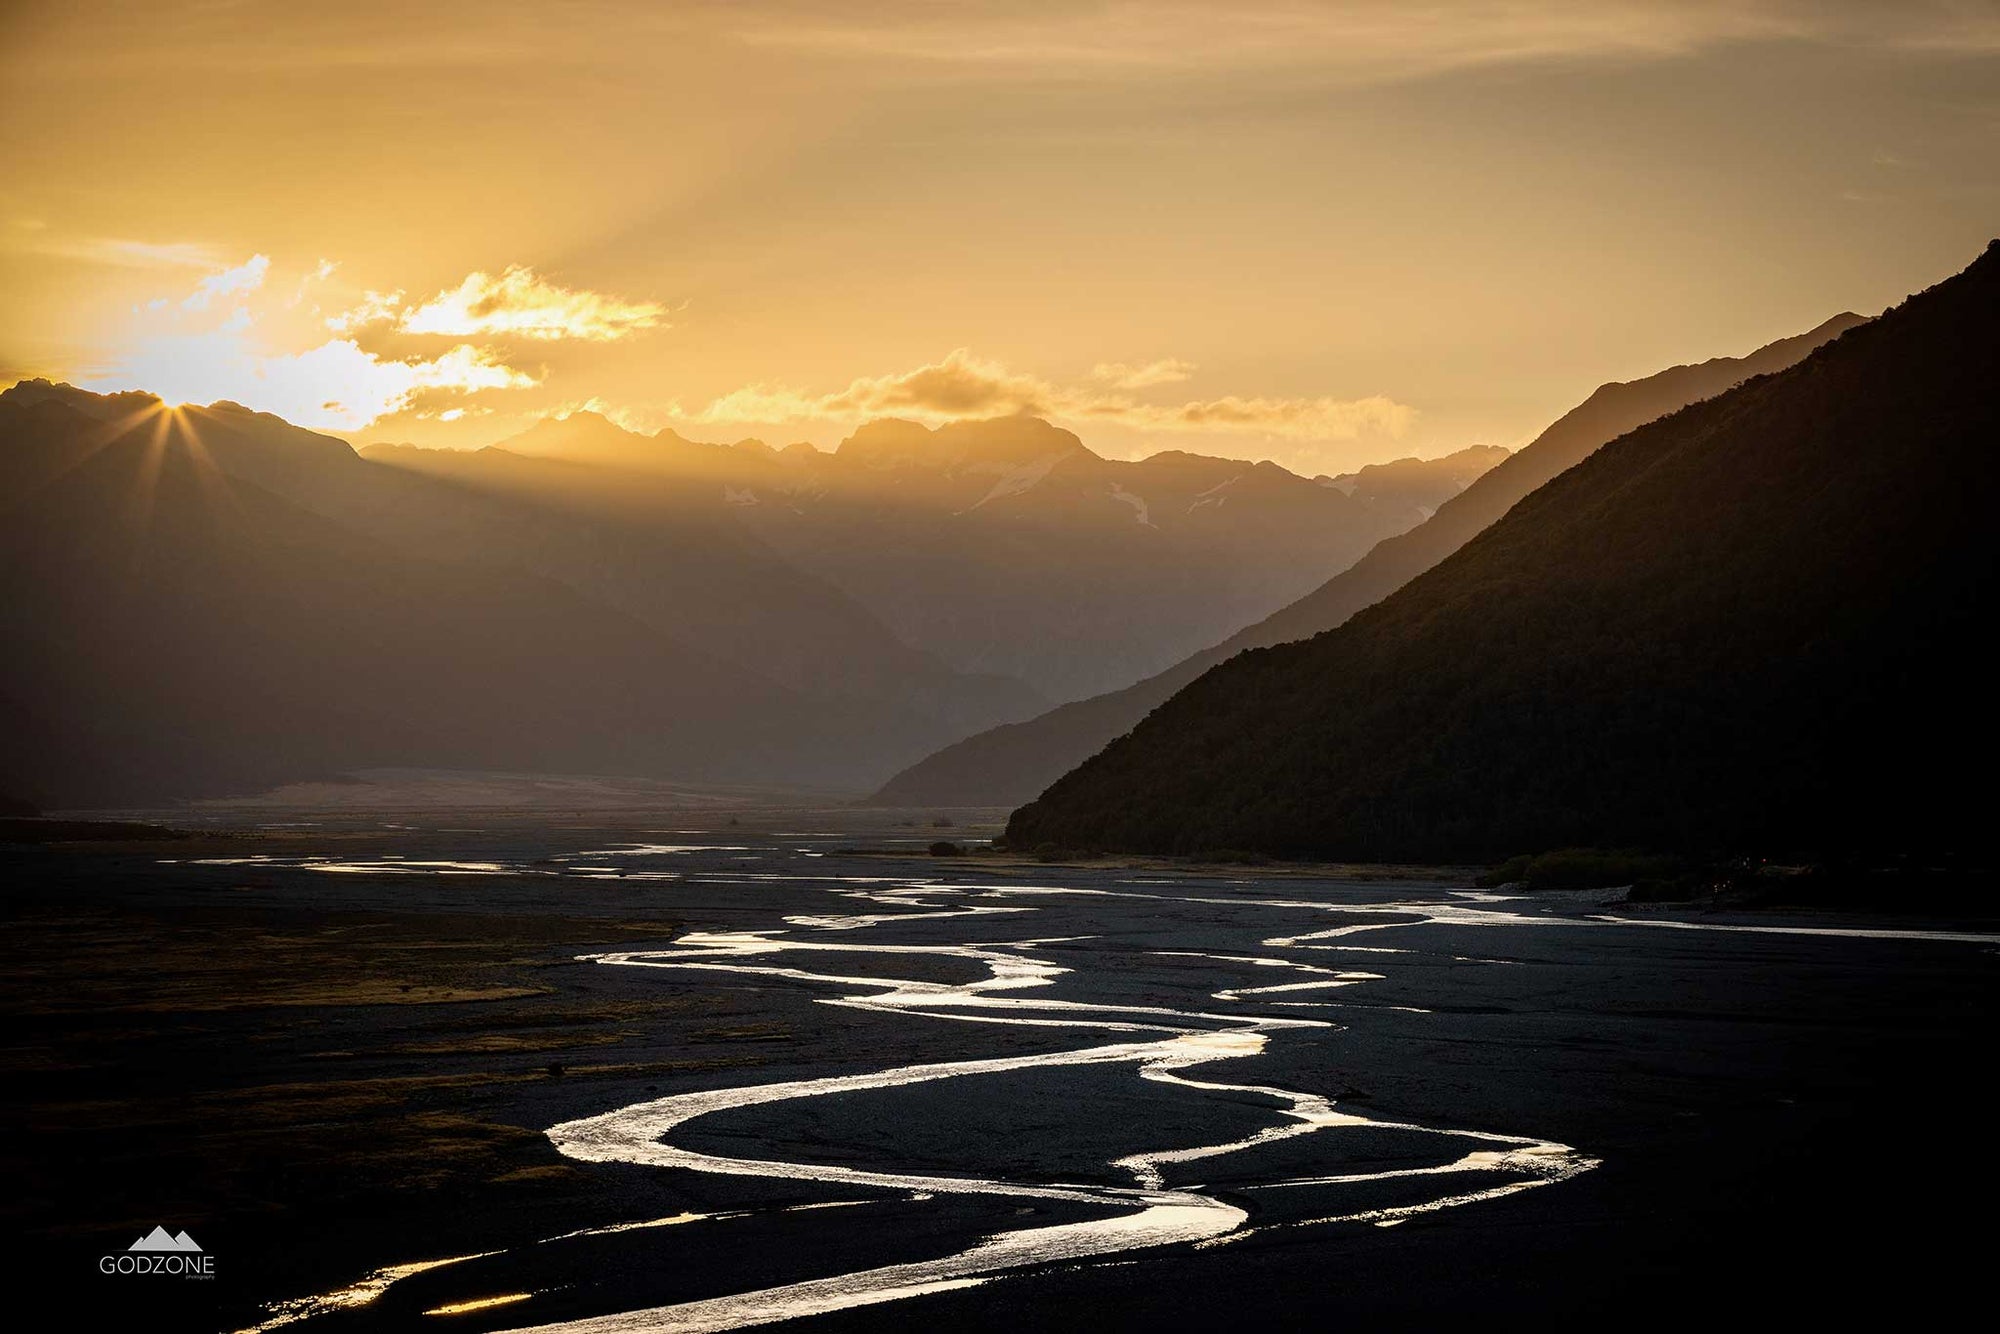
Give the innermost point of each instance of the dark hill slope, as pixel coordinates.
(173, 630)
(842, 701)
(1748, 625)
(1010, 764)
(639, 543)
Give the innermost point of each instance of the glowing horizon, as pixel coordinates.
(1322, 234)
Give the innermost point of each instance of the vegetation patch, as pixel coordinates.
(1584, 868)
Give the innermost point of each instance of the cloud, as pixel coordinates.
(211, 345)
(521, 304)
(115, 251)
(639, 418)
(1355, 41)
(375, 308)
(319, 273)
(245, 277)
(1121, 376)
(335, 386)
(1292, 418)
(963, 385)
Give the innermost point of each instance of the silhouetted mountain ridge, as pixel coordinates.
(995, 444)
(657, 567)
(176, 630)
(1004, 546)
(241, 540)
(1742, 627)
(1014, 762)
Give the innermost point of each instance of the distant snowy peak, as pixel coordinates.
(1000, 444)
(1005, 470)
(1015, 481)
(1418, 485)
(1461, 469)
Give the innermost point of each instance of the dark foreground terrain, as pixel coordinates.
(1197, 1097)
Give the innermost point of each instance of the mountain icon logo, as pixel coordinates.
(159, 1239)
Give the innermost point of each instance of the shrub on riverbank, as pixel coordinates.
(1582, 868)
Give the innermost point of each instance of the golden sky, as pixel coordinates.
(1320, 233)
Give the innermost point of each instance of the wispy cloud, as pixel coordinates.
(1353, 40)
(317, 274)
(516, 303)
(1121, 376)
(245, 277)
(211, 345)
(963, 385)
(1375, 40)
(960, 385)
(122, 252)
(1320, 418)
(639, 418)
(374, 308)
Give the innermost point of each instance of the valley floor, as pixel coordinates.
(334, 1047)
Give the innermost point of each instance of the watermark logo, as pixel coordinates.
(163, 1253)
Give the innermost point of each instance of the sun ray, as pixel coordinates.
(145, 488)
(214, 484)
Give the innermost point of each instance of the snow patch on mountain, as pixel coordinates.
(1214, 495)
(1138, 503)
(1016, 480)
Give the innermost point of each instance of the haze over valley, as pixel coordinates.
(582, 599)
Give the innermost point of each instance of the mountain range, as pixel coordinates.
(1004, 547)
(1013, 762)
(176, 629)
(1749, 627)
(210, 600)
